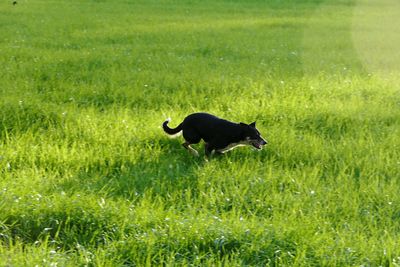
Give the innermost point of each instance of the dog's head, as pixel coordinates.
(252, 136)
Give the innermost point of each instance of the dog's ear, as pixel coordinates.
(243, 124)
(253, 124)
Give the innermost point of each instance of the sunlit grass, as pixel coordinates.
(89, 178)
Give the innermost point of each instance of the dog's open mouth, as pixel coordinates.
(257, 145)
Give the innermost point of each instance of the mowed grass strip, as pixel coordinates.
(89, 178)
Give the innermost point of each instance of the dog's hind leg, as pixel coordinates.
(209, 149)
(191, 137)
(191, 149)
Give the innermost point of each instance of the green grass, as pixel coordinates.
(88, 178)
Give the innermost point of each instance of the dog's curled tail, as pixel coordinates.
(171, 131)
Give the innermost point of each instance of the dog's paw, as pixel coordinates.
(194, 152)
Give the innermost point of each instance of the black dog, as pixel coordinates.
(218, 134)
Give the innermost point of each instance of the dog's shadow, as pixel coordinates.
(171, 169)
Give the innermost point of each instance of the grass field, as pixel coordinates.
(88, 178)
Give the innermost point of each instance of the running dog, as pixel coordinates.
(218, 134)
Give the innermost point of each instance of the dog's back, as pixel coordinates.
(208, 126)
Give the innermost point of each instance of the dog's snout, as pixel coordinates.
(263, 142)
